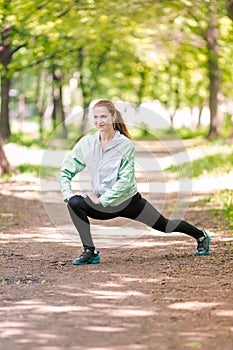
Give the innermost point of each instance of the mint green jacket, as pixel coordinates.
(111, 171)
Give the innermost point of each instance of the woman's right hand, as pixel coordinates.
(82, 194)
(77, 194)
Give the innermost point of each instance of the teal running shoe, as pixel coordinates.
(203, 244)
(87, 257)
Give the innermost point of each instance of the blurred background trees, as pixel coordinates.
(58, 56)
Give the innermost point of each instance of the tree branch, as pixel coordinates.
(39, 7)
(61, 14)
(18, 48)
(202, 30)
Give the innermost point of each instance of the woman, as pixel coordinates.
(109, 158)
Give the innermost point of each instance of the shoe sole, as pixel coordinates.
(95, 260)
(206, 252)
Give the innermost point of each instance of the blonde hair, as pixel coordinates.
(119, 123)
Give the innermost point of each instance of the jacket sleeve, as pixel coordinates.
(72, 165)
(125, 179)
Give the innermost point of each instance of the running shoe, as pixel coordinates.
(87, 257)
(203, 244)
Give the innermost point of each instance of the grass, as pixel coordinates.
(28, 140)
(22, 139)
(217, 164)
(187, 133)
(138, 133)
(50, 138)
(220, 204)
(223, 201)
(37, 170)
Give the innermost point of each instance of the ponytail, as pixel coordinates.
(119, 123)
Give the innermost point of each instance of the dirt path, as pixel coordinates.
(151, 294)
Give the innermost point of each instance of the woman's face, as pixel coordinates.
(103, 119)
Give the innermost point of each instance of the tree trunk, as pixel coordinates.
(6, 54)
(142, 85)
(54, 104)
(58, 110)
(89, 88)
(4, 122)
(85, 104)
(230, 8)
(214, 72)
(171, 114)
(199, 116)
(83, 128)
(5, 166)
(39, 103)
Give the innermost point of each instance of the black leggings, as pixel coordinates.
(137, 208)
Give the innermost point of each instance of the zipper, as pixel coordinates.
(97, 184)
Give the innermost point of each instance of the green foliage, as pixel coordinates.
(29, 168)
(28, 139)
(113, 50)
(195, 344)
(24, 139)
(187, 133)
(38, 170)
(221, 204)
(44, 282)
(223, 201)
(227, 126)
(217, 164)
(4, 281)
(138, 133)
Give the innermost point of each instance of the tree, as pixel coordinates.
(211, 36)
(196, 28)
(116, 51)
(25, 25)
(7, 51)
(5, 166)
(201, 21)
(105, 53)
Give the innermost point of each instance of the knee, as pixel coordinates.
(75, 202)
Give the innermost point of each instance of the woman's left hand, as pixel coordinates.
(93, 198)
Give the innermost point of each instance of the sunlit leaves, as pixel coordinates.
(129, 49)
